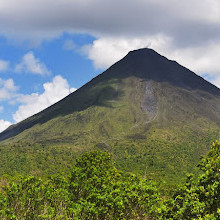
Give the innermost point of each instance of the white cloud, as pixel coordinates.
(34, 103)
(200, 59)
(1, 109)
(4, 125)
(4, 65)
(189, 20)
(9, 85)
(30, 64)
(7, 89)
(106, 51)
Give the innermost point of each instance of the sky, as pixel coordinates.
(50, 48)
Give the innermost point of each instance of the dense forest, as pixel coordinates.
(95, 189)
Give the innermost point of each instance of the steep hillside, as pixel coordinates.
(154, 115)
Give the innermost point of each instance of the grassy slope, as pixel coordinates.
(164, 148)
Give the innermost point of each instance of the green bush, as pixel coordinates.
(105, 193)
(95, 190)
(199, 199)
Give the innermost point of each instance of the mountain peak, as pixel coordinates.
(150, 65)
(144, 50)
(144, 53)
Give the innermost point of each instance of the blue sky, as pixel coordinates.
(49, 48)
(25, 70)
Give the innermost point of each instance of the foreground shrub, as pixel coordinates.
(95, 190)
(105, 193)
(199, 199)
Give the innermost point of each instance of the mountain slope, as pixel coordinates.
(154, 115)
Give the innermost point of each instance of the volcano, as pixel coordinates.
(155, 116)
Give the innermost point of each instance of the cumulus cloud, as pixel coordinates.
(30, 64)
(7, 89)
(108, 50)
(188, 21)
(4, 65)
(34, 103)
(4, 125)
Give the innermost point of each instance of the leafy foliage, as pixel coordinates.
(33, 198)
(199, 199)
(94, 190)
(104, 192)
